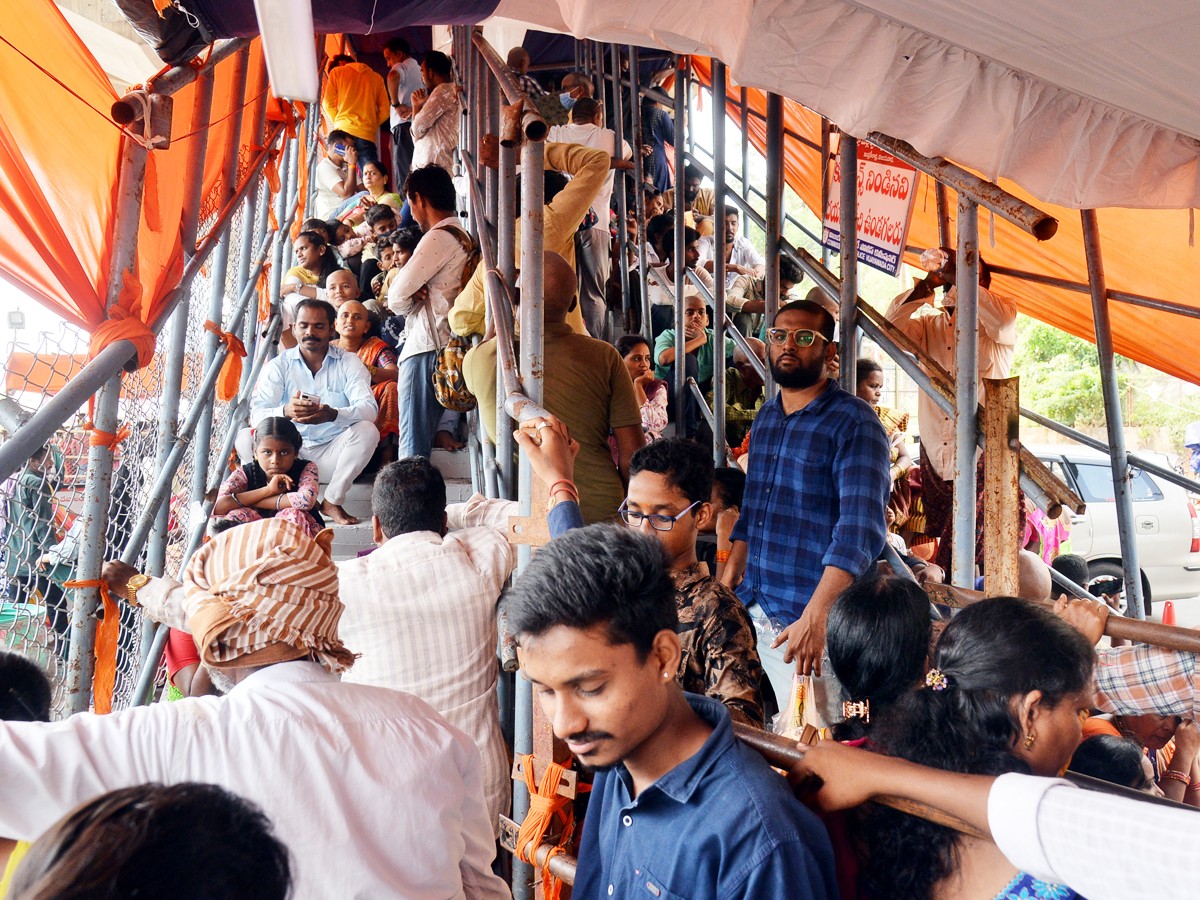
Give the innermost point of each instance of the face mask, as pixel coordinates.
(566, 100)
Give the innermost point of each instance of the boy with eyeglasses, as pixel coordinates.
(818, 482)
(670, 493)
(670, 489)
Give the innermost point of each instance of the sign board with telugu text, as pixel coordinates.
(887, 190)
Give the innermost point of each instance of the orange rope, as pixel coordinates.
(231, 369)
(545, 805)
(108, 634)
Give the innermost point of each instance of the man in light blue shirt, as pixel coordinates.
(326, 392)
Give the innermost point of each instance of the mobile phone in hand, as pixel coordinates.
(310, 398)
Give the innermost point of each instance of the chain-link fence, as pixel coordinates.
(41, 503)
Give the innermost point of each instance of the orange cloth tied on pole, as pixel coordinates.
(108, 635)
(108, 439)
(264, 292)
(545, 806)
(231, 369)
(123, 324)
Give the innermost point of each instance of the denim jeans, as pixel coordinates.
(419, 408)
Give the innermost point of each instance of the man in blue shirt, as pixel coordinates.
(326, 391)
(679, 807)
(817, 486)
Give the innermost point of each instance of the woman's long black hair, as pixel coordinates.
(990, 654)
(877, 635)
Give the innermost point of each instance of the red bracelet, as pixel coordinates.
(569, 487)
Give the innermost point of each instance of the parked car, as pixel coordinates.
(1165, 521)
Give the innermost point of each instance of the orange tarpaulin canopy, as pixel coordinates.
(1145, 251)
(59, 162)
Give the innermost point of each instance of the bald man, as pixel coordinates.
(518, 67)
(586, 385)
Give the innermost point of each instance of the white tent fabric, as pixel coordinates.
(1083, 104)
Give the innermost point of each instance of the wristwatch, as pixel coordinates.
(133, 584)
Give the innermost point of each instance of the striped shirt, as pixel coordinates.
(816, 491)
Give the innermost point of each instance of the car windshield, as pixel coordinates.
(1096, 485)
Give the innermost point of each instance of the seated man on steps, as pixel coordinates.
(326, 392)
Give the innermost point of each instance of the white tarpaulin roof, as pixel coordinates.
(1085, 104)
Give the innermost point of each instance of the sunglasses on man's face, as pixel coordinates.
(803, 337)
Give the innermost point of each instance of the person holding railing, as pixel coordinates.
(566, 205)
(931, 327)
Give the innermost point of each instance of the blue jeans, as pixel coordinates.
(419, 408)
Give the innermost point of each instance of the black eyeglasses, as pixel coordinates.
(804, 337)
(657, 522)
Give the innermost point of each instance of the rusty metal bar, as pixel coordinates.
(1002, 471)
(1025, 216)
(719, 316)
(535, 126)
(943, 213)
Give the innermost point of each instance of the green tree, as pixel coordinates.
(1060, 374)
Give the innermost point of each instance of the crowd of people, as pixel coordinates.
(337, 730)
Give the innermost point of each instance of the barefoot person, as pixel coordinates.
(326, 392)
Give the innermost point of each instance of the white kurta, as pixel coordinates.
(371, 791)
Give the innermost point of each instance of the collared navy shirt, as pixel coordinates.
(722, 824)
(816, 491)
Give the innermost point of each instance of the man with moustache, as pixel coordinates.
(679, 808)
(817, 486)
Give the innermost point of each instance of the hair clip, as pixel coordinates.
(935, 679)
(857, 709)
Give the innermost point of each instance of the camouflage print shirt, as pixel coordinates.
(720, 656)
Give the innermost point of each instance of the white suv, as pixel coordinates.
(1167, 527)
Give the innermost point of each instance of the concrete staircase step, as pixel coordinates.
(348, 540)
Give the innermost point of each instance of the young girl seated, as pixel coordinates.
(314, 264)
(277, 484)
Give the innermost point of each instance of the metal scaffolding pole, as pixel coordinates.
(679, 381)
(943, 212)
(720, 453)
(97, 489)
(966, 367)
(618, 120)
(532, 366)
(639, 199)
(774, 217)
(1122, 472)
(506, 256)
(825, 152)
(848, 304)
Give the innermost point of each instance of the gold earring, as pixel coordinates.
(1029, 739)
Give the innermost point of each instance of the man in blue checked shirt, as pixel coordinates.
(679, 806)
(817, 486)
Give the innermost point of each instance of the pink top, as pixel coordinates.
(304, 497)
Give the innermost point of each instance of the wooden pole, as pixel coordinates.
(1001, 496)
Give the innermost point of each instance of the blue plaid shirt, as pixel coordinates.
(816, 490)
